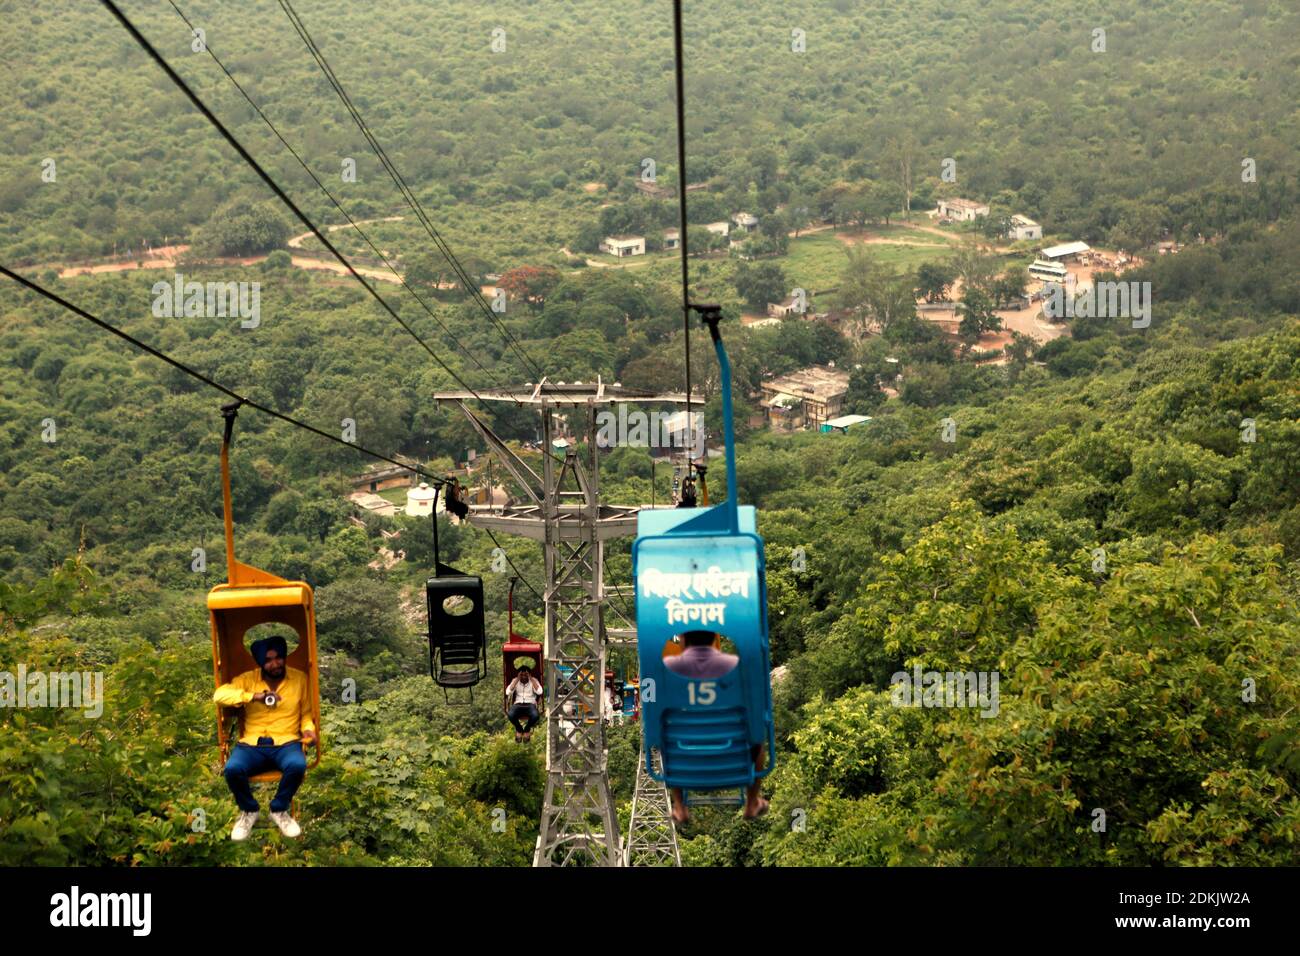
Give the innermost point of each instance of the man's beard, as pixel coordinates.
(266, 672)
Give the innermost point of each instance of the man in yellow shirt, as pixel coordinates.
(277, 722)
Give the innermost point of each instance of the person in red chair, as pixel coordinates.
(521, 697)
(277, 723)
(700, 659)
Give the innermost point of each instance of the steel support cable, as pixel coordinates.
(681, 195)
(398, 179)
(518, 573)
(271, 183)
(193, 373)
(337, 205)
(403, 187)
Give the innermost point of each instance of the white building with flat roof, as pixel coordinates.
(1065, 252)
(624, 246)
(962, 210)
(1022, 227)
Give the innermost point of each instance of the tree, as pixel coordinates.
(427, 270)
(761, 283)
(242, 229)
(875, 295)
(882, 200)
(977, 315)
(1139, 227)
(798, 212)
(319, 515)
(775, 228)
(530, 284)
(933, 280)
(1178, 484)
(901, 151)
(1010, 287)
(358, 616)
(864, 394)
(995, 226)
(278, 261)
(975, 267)
(1021, 349)
(700, 240)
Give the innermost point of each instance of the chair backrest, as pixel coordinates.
(690, 575)
(511, 652)
(233, 611)
(457, 641)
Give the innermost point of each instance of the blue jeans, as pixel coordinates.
(248, 761)
(528, 711)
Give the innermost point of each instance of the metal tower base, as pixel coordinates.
(651, 836)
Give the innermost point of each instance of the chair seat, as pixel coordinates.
(469, 656)
(458, 678)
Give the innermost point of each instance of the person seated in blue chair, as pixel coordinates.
(699, 660)
(277, 722)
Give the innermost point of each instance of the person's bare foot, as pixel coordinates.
(518, 736)
(755, 810)
(680, 814)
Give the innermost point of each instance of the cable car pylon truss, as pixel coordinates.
(651, 836)
(563, 510)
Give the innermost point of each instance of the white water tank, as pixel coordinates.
(419, 501)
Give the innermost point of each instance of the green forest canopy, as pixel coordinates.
(1122, 689)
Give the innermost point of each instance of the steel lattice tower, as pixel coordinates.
(578, 826)
(651, 836)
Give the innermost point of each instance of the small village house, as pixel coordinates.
(654, 190)
(1022, 227)
(962, 210)
(373, 503)
(675, 435)
(382, 477)
(788, 306)
(622, 246)
(805, 399)
(745, 222)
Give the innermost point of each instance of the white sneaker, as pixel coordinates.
(244, 825)
(287, 824)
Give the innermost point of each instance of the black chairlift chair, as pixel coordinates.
(457, 639)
